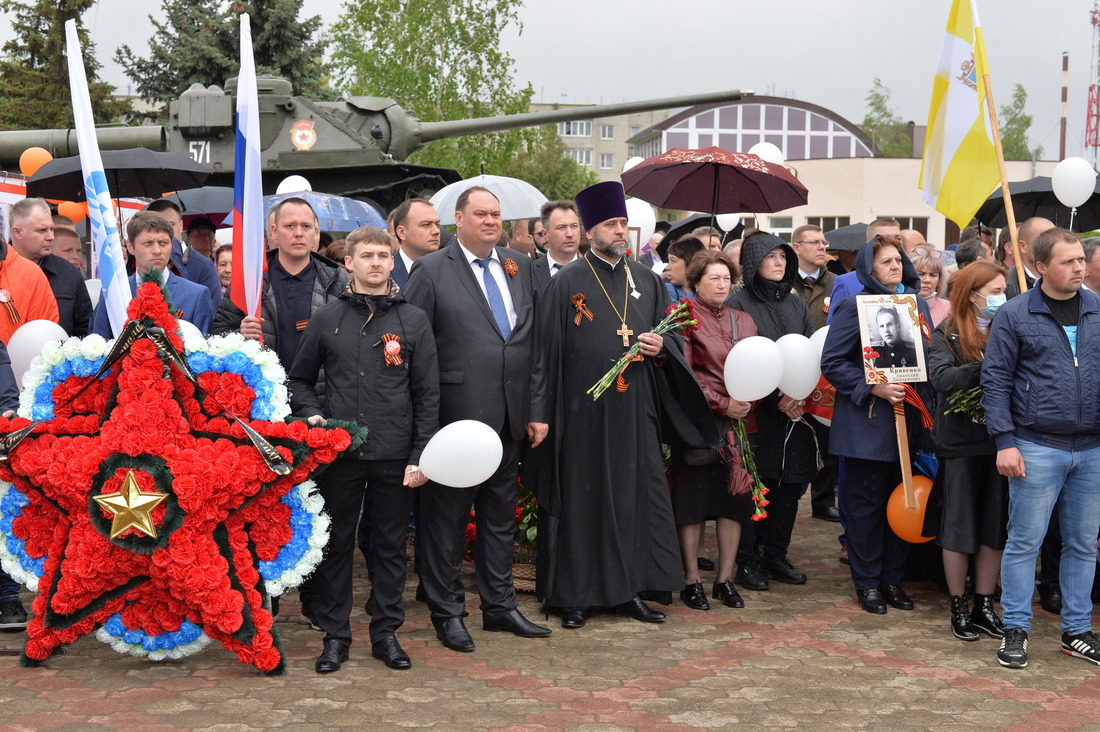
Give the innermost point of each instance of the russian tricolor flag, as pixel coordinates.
(248, 200)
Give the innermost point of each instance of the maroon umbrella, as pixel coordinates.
(714, 181)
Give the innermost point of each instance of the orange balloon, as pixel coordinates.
(75, 210)
(907, 523)
(32, 159)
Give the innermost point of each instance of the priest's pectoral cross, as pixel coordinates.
(625, 333)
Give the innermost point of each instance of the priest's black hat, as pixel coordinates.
(601, 202)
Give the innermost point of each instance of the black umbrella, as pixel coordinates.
(135, 173)
(212, 202)
(847, 238)
(1035, 197)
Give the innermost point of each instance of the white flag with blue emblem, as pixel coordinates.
(102, 223)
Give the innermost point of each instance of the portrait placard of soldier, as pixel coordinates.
(889, 327)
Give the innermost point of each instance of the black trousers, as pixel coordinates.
(773, 534)
(343, 485)
(823, 486)
(444, 513)
(876, 554)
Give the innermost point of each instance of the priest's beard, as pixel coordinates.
(611, 249)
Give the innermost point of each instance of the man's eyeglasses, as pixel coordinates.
(822, 243)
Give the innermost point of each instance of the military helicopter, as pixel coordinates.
(355, 147)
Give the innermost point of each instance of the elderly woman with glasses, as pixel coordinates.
(702, 491)
(933, 282)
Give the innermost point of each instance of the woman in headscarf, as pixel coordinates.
(864, 433)
(784, 444)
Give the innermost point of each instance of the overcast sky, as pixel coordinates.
(823, 52)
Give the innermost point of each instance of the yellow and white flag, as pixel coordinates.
(959, 170)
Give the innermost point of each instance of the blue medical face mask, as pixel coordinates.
(993, 303)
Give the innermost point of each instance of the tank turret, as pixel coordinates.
(357, 145)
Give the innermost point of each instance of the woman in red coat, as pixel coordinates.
(703, 491)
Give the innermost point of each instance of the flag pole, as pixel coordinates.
(1009, 213)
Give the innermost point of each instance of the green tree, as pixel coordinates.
(884, 125)
(440, 59)
(198, 41)
(34, 72)
(1014, 123)
(546, 166)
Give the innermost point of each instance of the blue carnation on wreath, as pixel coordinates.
(260, 369)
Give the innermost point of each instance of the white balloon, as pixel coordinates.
(818, 339)
(293, 184)
(727, 222)
(642, 217)
(462, 454)
(768, 152)
(27, 342)
(631, 162)
(187, 330)
(94, 288)
(801, 365)
(753, 369)
(1074, 181)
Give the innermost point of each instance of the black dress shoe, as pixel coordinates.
(872, 601)
(388, 650)
(515, 623)
(704, 564)
(781, 570)
(334, 655)
(640, 611)
(897, 597)
(453, 634)
(725, 592)
(1050, 598)
(694, 597)
(828, 514)
(573, 618)
(751, 577)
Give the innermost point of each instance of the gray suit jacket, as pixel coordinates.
(482, 376)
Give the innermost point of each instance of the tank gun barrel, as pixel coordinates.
(62, 143)
(430, 131)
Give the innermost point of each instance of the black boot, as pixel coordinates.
(961, 624)
(985, 618)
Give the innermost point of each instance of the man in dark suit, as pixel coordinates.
(149, 241)
(186, 261)
(416, 228)
(563, 237)
(479, 299)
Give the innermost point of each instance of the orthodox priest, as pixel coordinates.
(606, 529)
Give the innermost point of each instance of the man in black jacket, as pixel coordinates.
(381, 371)
(32, 238)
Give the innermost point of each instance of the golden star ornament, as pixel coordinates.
(131, 508)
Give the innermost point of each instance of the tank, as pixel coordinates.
(357, 146)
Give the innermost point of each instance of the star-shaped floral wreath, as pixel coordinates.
(139, 419)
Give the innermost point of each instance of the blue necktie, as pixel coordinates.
(496, 300)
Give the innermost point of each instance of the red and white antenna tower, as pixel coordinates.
(1092, 124)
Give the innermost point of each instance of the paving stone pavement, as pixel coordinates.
(795, 656)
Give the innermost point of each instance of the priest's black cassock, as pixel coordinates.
(606, 529)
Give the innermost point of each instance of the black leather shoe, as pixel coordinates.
(985, 617)
(781, 570)
(725, 592)
(872, 601)
(828, 514)
(334, 655)
(452, 633)
(1050, 598)
(694, 597)
(640, 611)
(388, 650)
(515, 623)
(897, 597)
(573, 618)
(704, 564)
(751, 577)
